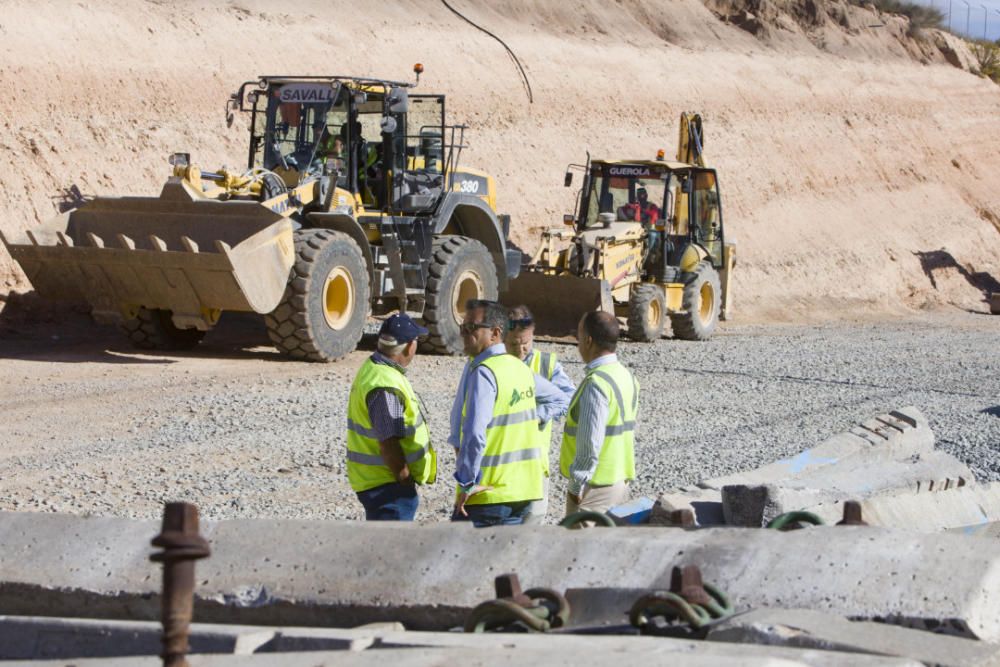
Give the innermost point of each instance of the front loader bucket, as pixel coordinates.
(195, 258)
(558, 301)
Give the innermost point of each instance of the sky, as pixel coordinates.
(974, 14)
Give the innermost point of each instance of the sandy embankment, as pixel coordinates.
(852, 186)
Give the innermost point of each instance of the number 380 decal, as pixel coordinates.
(472, 187)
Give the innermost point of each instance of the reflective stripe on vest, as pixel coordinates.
(616, 461)
(366, 468)
(544, 364)
(512, 460)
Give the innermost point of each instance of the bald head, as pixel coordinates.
(602, 328)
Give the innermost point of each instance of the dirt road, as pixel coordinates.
(90, 426)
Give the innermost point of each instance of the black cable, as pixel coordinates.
(524, 76)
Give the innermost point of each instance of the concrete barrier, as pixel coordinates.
(806, 628)
(428, 577)
(989, 530)
(704, 504)
(971, 509)
(892, 451)
(853, 478)
(310, 647)
(894, 436)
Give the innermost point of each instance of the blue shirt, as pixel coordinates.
(477, 393)
(559, 379)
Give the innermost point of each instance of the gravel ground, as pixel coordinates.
(91, 427)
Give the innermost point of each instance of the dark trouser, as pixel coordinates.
(497, 514)
(390, 502)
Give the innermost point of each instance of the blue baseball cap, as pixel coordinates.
(400, 328)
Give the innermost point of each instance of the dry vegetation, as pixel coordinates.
(988, 56)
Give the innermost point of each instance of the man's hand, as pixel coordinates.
(465, 495)
(575, 498)
(404, 476)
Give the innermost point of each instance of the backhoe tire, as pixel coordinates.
(322, 314)
(460, 269)
(701, 301)
(647, 313)
(153, 329)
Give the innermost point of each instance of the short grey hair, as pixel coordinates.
(390, 347)
(494, 314)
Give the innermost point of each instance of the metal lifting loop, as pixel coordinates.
(537, 609)
(668, 605)
(554, 601)
(787, 520)
(689, 602)
(719, 606)
(494, 614)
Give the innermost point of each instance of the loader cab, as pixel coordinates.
(371, 138)
(296, 129)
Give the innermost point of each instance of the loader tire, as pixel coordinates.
(460, 269)
(153, 329)
(322, 314)
(647, 313)
(701, 301)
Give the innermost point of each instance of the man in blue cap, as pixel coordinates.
(389, 448)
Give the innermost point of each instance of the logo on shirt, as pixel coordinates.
(519, 396)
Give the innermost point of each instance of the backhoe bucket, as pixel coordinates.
(558, 301)
(195, 258)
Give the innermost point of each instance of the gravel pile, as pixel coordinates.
(254, 437)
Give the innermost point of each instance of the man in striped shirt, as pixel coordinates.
(597, 455)
(520, 342)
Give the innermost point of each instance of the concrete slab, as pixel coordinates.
(989, 530)
(310, 647)
(895, 435)
(704, 504)
(969, 509)
(806, 628)
(854, 478)
(315, 573)
(38, 637)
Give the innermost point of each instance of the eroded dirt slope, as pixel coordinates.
(857, 179)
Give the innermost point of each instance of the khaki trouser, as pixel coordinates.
(535, 514)
(598, 498)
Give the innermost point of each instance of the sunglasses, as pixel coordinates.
(469, 328)
(522, 323)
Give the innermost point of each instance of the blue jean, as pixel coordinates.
(497, 514)
(390, 502)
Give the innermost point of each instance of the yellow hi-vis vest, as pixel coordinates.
(544, 364)
(616, 461)
(512, 461)
(365, 467)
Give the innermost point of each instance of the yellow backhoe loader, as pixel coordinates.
(646, 242)
(352, 203)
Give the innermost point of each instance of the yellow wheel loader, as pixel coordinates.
(352, 203)
(646, 243)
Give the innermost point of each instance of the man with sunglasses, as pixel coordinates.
(494, 425)
(520, 341)
(388, 443)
